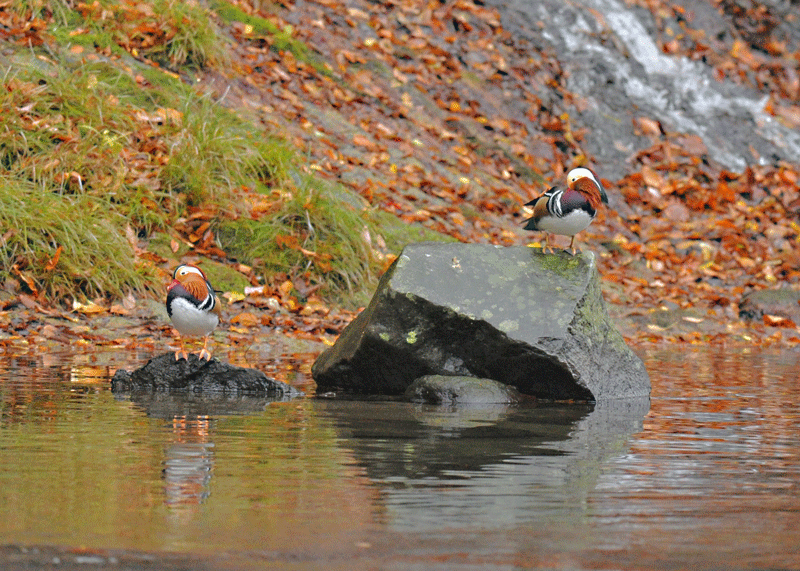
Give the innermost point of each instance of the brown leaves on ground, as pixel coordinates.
(402, 139)
(413, 115)
(698, 236)
(287, 306)
(433, 112)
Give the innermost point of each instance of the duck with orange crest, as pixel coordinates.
(192, 306)
(567, 211)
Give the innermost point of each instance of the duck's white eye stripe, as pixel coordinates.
(581, 172)
(190, 270)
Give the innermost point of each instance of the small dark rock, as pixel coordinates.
(165, 374)
(442, 389)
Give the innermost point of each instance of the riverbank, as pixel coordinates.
(285, 344)
(398, 122)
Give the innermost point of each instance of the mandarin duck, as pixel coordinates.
(192, 306)
(567, 212)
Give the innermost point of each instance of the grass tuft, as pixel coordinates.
(89, 136)
(323, 233)
(61, 245)
(172, 33)
(213, 153)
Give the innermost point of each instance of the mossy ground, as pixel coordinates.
(110, 148)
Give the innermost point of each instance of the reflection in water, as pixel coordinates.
(706, 474)
(718, 462)
(483, 467)
(189, 456)
(188, 463)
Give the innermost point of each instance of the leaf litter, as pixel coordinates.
(403, 103)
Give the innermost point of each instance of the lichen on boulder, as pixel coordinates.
(534, 321)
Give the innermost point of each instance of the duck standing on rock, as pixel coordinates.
(192, 306)
(567, 212)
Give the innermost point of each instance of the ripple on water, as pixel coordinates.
(707, 470)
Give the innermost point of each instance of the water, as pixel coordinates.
(705, 475)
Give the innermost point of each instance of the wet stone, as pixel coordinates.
(441, 389)
(532, 321)
(165, 374)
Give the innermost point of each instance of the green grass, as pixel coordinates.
(89, 134)
(192, 36)
(91, 129)
(95, 256)
(99, 148)
(214, 153)
(313, 233)
(322, 232)
(176, 34)
(67, 121)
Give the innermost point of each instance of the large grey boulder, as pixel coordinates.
(515, 315)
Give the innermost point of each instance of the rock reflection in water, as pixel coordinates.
(483, 466)
(174, 405)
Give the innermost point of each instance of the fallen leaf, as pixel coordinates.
(89, 308)
(245, 319)
(364, 141)
(51, 264)
(234, 296)
(777, 321)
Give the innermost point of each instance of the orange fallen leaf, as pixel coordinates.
(286, 241)
(89, 308)
(777, 321)
(286, 287)
(245, 319)
(29, 281)
(118, 309)
(51, 265)
(364, 141)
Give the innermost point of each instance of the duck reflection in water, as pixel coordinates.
(188, 464)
